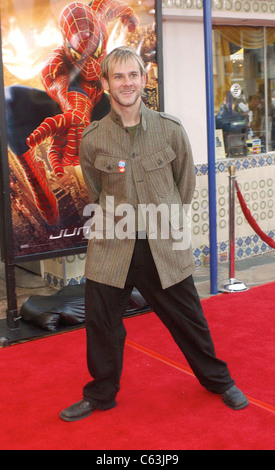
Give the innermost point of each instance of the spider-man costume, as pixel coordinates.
(73, 97)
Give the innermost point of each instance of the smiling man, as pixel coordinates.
(125, 84)
(140, 157)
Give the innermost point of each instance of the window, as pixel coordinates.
(244, 89)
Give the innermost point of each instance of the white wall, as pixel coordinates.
(184, 79)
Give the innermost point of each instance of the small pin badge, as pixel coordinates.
(121, 166)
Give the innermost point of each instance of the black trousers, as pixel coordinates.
(178, 307)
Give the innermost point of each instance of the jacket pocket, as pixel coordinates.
(159, 170)
(107, 164)
(112, 178)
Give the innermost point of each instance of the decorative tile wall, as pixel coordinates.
(256, 179)
(69, 270)
(246, 6)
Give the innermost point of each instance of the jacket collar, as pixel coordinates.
(143, 116)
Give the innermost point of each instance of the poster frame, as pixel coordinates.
(6, 226)
(5, 192)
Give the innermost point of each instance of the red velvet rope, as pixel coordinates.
(252, 222)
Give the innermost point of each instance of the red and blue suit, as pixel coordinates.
(73, 97)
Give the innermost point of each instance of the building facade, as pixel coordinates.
(244, 98)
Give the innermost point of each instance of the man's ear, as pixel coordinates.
(105, 84)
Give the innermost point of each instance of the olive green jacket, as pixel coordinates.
(155, 170)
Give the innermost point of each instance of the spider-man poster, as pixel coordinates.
(51, 54)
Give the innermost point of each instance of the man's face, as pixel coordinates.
(125, 83)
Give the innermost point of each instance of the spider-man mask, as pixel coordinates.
(84, 36)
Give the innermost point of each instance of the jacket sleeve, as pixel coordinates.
(91, 175)
(183, 165)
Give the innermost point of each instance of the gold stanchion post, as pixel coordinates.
(232, 284)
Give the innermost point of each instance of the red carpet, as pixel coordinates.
(161, 406)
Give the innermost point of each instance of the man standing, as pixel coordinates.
(141, 158)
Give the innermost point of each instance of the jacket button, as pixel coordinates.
(160, 162)
(133, 155)
(109, 167)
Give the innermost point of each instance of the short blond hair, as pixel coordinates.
(118, 55)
